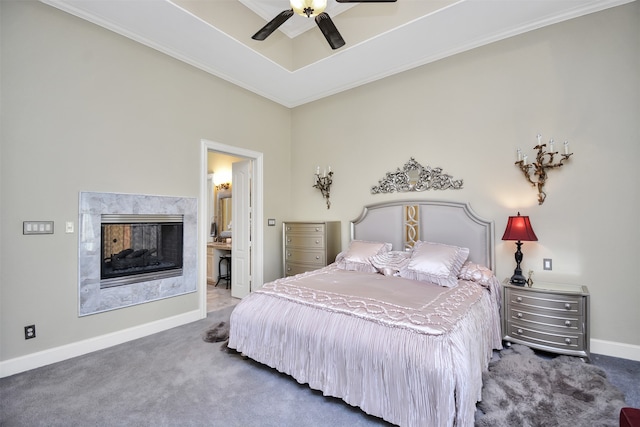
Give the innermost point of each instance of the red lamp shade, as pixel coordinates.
(519, 228)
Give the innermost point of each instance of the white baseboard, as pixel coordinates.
(58, 354)
(615, 349)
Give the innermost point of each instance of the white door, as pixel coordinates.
(241, 216)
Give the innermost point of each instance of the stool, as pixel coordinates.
(629, 417)
(227, 275)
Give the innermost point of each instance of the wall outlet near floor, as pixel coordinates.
(547, 264)
(29, 332)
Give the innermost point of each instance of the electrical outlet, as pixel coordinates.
(29, 332)
(547, 264)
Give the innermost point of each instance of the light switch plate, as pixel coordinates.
(547, 264)
(37, 227)
(271, 222)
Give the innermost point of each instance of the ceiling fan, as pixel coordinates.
(311, 9)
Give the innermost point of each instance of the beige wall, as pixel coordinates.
(84, 109)
(467, 114)
(81, 106)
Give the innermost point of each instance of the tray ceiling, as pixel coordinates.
(295, 65)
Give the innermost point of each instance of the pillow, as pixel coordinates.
(390, 263)
(476, 273)
(436, 263)
(357, 257)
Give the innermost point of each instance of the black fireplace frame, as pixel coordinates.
(140, 271)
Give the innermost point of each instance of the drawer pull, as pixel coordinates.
(288, 228)
(519, 315)
(567, 323)
(317, 257)
(519, 299)
(317, 242)
(288, 254)
(317, 229)
(567, 340)
(567, 306)
(288, 268)
(288, 240)
(519, 331)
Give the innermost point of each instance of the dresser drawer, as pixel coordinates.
(306, 257)
(545, 302)
(304, 241)
(291, 269)
(304, 228)
(542, 339)
(535, 319)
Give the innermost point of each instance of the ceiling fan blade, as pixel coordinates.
(273, 25)
(365, 1)
(329, 31)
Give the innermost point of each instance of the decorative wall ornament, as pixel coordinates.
(544, 161)
(323, 183)
(415, 177)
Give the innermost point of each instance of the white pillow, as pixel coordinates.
(390, 263)
(358, 256)
(436, 263)
(477, 273)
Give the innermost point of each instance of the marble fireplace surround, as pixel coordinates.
(92, 299)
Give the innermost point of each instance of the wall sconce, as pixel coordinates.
(544, 160)
(519, 228)
(323, 183)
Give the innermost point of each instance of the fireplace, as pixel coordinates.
(138, 248)
(135, 249)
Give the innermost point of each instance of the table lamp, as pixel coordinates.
(519, 229)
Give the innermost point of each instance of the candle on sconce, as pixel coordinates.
(317, 170)
(519, 154)
(329, 168)
(524, 160)
(551, 145)
(566, 147)
(539, 138)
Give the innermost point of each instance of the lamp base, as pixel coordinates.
(518, 279)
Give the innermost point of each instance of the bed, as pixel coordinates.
(402, 325)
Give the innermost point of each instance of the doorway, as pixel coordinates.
(253, 191)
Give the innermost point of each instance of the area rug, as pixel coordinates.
(523, 389)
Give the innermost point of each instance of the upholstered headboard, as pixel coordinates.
(402, 223)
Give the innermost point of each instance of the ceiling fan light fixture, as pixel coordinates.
(308, 8)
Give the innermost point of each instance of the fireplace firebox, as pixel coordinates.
(137, 248)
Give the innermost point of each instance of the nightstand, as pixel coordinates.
(553, 317)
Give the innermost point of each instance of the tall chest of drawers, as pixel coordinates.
(551, 317)
(309, 245)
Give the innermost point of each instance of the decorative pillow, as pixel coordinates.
(477, 273)
(358, 256)
(436, 263)
(390, 263)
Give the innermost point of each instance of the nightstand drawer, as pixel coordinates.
(535, 319)
(304, 241)
(572, 341)
(546, 302)
(306, 257)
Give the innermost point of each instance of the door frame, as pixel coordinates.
(257, 228)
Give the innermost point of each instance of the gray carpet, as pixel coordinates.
(173, 378)
(523, 389)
